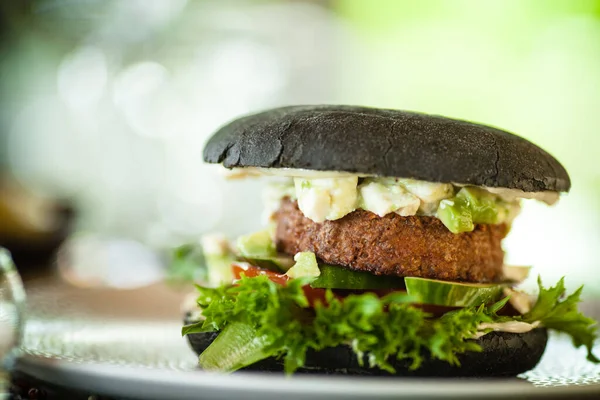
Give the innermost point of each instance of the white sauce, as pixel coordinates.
(330, 195)
(521, 301)
(428, 192)
(234, 173)
(547, 196)
(272, 195)
(383, 199)
(510, 326)
(323, 199)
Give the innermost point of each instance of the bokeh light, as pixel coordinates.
(108, 103)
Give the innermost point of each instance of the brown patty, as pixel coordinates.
(394, 245)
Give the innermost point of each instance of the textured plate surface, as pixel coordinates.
(93, 340)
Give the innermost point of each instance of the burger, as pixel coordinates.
(381, 252)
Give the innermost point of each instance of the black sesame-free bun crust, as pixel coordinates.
(385, 142)
(504, 354)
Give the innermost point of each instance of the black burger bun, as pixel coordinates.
(384, 142)
(504, 354)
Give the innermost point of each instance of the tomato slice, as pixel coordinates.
(314, 295)
(252, 271)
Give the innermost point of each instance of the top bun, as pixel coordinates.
(383, 142)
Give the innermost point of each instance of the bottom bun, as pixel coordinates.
(503, 354)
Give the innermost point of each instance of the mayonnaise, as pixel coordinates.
(330, 195)
(323, 199)
(547, 196)
(510, 326)
(383, 199)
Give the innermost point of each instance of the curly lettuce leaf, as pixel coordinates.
(378, 329)
(187, 264)
(563, 316)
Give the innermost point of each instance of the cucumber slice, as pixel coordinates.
(334, 277)
(454, 294)
(279, 263)
(258, 249)
(237, 346)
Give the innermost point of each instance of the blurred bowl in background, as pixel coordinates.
(33, 227)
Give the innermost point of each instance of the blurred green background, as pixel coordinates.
(105, 106)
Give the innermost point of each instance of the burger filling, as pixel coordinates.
(393, 268)
(459, 209)
(394, 245)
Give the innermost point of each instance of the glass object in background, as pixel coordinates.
(12, 303)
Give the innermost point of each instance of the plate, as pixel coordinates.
(128, 344)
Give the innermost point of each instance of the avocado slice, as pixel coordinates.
(258, 248)
(456, 215)
(483, 205)
(277, 263)
(470, 206)
(305, 266)
(454, 294)
(334, 277)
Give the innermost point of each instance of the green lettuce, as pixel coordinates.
(187, 264)
(563, 316)
(377, 328)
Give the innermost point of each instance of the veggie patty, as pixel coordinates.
(394, 245)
